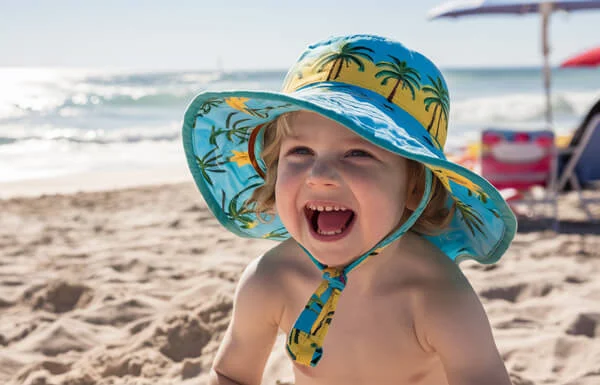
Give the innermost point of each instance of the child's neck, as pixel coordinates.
(365, 275)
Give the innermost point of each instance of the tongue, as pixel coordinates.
(333, 220)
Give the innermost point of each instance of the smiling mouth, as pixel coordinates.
(329, 220)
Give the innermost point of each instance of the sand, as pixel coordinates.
(135, 286)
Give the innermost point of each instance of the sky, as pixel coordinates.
(266, 34)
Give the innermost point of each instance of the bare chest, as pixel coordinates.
(371, 340)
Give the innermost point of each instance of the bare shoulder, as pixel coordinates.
(273, 267)
(445, 287)
(266, 277)
(450, 320)
(262, 276)
(257, 310)
(440, 291)
(430, 268)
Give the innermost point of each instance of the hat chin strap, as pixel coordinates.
(305, 340)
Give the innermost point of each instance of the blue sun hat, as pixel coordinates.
(391, 96)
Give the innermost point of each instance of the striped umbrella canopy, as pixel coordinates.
(517, 7)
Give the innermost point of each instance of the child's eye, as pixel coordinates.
(358, 153)
(299, 151)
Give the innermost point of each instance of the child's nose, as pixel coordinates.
(323, 173)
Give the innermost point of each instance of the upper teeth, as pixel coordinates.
(326, 208)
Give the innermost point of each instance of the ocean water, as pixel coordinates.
(57, 122)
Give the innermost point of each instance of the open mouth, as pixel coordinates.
(329, 221)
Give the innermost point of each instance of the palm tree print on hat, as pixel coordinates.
(347, 53)
(470, 216)
(447, 176)
(242, 133)
(278, 234)
(241, 213)
(399, 71)
(441, 100)
(239, 103)
(210, 163)
(214, 134)
(207, 105)
(236, 129)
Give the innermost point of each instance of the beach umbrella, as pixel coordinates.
(588, 58)
(542, 7)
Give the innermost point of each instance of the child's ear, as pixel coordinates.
(415, 193)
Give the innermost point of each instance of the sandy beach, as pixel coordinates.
(113, 270)
(135, 286)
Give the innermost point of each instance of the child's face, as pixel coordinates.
(327, 167)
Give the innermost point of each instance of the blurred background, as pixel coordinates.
(101, 86)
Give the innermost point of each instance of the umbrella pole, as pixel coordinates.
(546, 10)
(551, 193)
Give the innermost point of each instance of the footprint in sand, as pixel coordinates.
(586, 324)
(518, 292)
(59, 296)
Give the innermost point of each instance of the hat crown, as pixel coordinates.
(402, 77)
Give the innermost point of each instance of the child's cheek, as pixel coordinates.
(290, 171)
(287, 181)
(287, 187)
(361, 174)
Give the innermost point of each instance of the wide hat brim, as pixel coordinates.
(216, 131)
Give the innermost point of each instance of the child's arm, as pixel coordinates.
(252, 331)
(457, 328)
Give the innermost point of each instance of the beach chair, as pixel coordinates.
(522, 165)
(579, 164)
